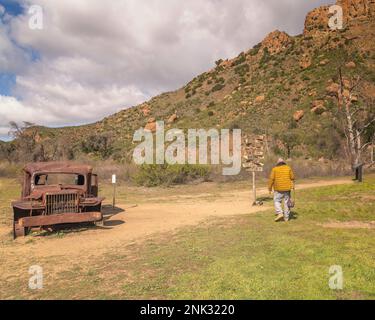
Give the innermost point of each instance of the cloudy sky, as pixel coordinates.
(93, 57)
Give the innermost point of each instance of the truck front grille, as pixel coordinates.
(57, 203)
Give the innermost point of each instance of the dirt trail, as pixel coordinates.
(135, 223)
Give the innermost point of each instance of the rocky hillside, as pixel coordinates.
(283, 87)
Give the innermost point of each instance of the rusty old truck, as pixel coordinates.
(56, 193)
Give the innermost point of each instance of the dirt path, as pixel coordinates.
(131, 223)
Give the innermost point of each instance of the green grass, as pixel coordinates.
(247, 257)
(254, 258)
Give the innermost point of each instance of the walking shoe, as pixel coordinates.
(279, 217)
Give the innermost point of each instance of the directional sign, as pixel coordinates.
(253, 152)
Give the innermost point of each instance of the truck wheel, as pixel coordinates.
(99, 223)
(18, 231)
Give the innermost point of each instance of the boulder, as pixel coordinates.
(276, 42)
(346, 93)
(151, 125)
(172, 118)
(354, 99)
(260, 99)
(305, 62)
(351, 65)
(298, 115)
(226, 64)
(318, 107)
(312, 93)
(146, 110)
(346, 83)
(333, 89)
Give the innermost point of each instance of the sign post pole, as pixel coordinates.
(114, 191)
(254, 190)
(253, 153)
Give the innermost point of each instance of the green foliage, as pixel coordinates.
(218, 62)
(156, 175)
(255, 50)
(100, 145)
(242, 69)
(218, 87)
(241, 59)
(266, 57)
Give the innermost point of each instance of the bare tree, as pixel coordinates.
(25, 140)
(357, 116)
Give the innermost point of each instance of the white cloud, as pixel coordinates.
(98, 57)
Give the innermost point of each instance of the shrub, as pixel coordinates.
(101, 145)
(10, 170)
(240, 59)
(218, 87)
(157, 175)
(266, 57)
(255, 50)
(242, 69)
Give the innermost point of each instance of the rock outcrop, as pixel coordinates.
(151, 125)
(317, 20)
(172, 118)
(276, 42)
(357, 9)
(146, 111)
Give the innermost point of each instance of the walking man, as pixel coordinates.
(281, 181)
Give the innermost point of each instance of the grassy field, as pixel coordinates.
(244, 257)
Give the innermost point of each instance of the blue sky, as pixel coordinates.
(12, 7)
(8, 80)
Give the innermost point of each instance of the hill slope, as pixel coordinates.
(282, 87)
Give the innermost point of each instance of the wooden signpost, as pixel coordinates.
(114, 190)
(253, 155)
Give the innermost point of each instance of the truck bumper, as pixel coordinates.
(65, 218)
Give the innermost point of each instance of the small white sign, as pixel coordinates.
(113, 178)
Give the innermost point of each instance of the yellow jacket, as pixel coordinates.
(281, 178)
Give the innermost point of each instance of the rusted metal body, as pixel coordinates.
(71, 196)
